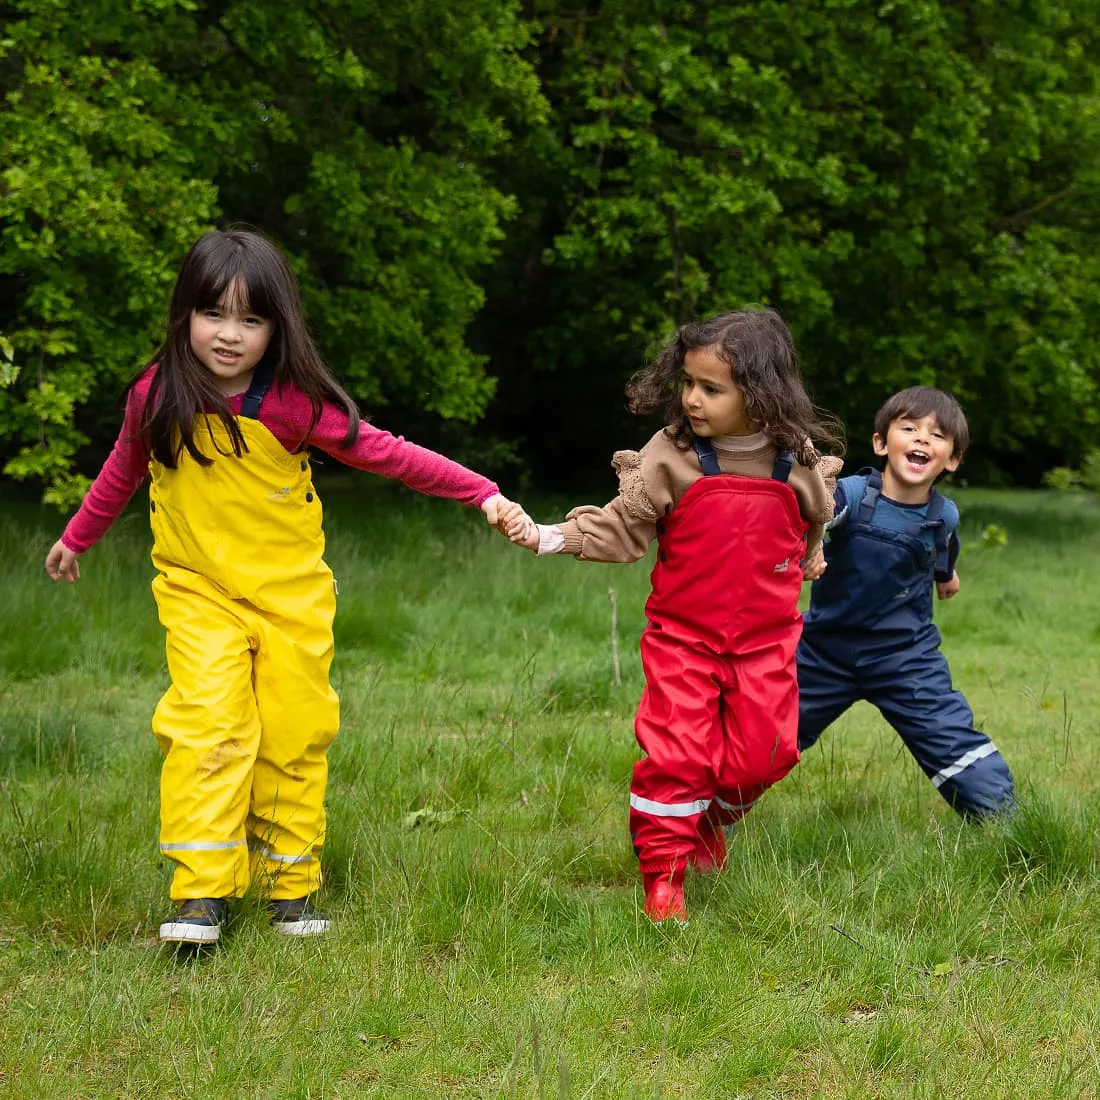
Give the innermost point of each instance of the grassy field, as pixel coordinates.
(488, 940)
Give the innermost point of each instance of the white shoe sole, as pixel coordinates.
(181, 932)
(315, 926)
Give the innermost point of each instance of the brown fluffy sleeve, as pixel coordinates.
(829, 468)
(815, 488)
(622, 530)
(632, 490)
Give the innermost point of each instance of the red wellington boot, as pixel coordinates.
(664, 895)
(709, 856)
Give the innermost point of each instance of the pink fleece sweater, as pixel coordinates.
(286, 413)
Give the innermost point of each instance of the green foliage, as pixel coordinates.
(9, 369)
(97, 198)
(502, 208)
(994, 536)
(1062, 479)
(914, 186)
(1090, 470)
(356, 136)
(1066, 479)
(991, 536)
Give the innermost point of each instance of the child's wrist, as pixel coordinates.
(550, 539)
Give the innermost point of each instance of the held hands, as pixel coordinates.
(511, 520)
(62, 562)
(946, 589)
(815, 564)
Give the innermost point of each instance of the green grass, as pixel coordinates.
(862, 942)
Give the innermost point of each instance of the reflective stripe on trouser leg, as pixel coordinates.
(679, 728)
(759, 729)
(936, 723)
(299, 714)
(209, 730)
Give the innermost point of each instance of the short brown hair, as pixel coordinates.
(918, 402)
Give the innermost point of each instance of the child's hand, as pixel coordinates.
(510, 520)
(517, 526)
(497, 506)
(62, 562)
(946, 589)
(815, 564)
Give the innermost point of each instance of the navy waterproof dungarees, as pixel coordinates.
(868, 634)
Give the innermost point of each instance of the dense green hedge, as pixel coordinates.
(488, 198)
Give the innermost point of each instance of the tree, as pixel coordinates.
(97, 197)
(357, 135)
(912, 184)
(503, 211)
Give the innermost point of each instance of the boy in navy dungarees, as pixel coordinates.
(868, 633)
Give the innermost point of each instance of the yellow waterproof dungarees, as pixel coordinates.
(248, 603)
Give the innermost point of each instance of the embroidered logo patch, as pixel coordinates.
(279, 494)
(782, 566)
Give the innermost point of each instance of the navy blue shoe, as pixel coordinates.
(198, 921)
(296, 917)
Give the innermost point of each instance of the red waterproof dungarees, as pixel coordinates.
(718, 720)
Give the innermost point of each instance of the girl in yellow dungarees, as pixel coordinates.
(223, 419)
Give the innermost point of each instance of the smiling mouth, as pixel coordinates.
(918, 458)
(225, 353)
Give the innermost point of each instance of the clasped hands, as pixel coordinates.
(511, 521)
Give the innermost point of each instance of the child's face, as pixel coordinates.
(711, 399)
(229, 340)
(917, 451)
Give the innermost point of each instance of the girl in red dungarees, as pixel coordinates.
(736, 495)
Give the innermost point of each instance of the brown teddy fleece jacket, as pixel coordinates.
(653, 479)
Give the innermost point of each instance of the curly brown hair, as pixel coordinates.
(757, 346)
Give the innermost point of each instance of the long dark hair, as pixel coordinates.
(757, 346)
(183, 388)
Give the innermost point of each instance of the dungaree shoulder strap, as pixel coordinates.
(707, 458)
(870, 493)
(262, 378)
(781, 471)
(934, 520)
